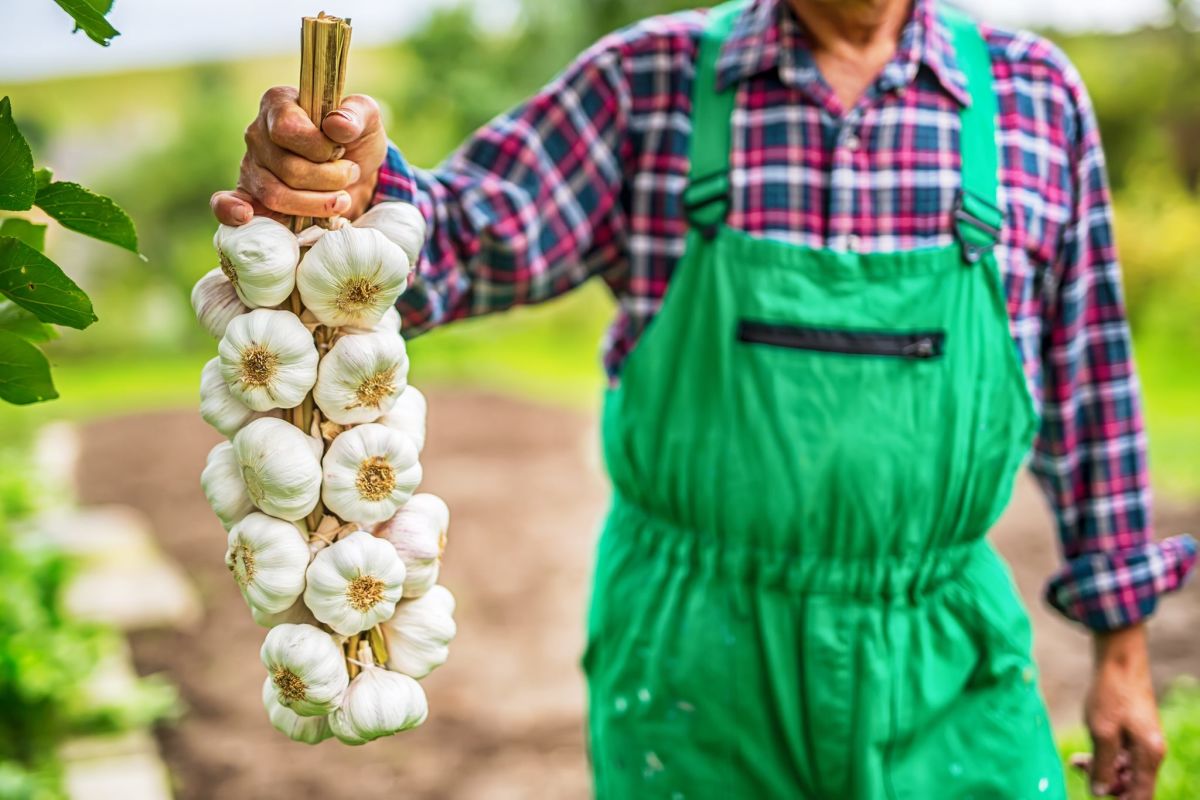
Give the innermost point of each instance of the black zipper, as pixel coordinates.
(914, 344)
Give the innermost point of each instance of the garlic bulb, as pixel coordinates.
(306, 669)
(369, 472)
(361, 377)
(309, 730)
(259, 259)
(216, 302)
(223, 486)
(280, 468)
(218, 406)
(378, 703)
(402, 223)
(354, 583)
(296, 614)
(268, 359)
(419, 634)
(351, 277)
(418, 532)
(268, 558)
(390, 322)
(408, 416)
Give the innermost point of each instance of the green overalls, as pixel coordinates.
(794, 597)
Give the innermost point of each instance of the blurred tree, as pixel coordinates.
(1183, 116)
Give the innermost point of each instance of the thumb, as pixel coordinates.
(358, 114)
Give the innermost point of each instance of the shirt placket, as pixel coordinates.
(843, 180)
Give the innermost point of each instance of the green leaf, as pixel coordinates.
(28, 232)
(24, 372)
(90, 20)
(15, 319)
(17, 187)
(42, 177)
(88, 213)
(36, 283)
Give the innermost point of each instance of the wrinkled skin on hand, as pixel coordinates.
(294, 168)
(1122, 716)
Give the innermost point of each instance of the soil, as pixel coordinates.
(527, 494)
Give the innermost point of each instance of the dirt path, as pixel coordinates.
(526, 491)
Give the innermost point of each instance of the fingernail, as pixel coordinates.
(1100, 790)
(338, 153)
(346, 115)
(242, 214)
(342, 204)
(355, 172)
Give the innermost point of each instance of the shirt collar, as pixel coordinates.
(767, 36)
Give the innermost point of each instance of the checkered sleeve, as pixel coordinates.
(529, 207)
(1091, 453)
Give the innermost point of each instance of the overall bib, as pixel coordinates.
(794, 597)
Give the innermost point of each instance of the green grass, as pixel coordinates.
(1180, 776)
(548, 353)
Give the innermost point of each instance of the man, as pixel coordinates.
(875, 247)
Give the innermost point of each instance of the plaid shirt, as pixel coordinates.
(585, 180)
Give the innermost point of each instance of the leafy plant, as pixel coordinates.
(37, 293)
(89, 18)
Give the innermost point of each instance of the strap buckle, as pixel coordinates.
(706, 203)
(978, 225)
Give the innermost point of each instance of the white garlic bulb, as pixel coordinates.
(259, 259)
(216, 302)
(306, 668)
(218, 406)
(408, 416)
(351, 277)
(280, 468)
(223, 486)
(390, 322)
(378, 703)
(355, 583)
(268, 359)
(419, 634)
(361, 377)
(296, 614)
(267, 557)
(309, 730)
(418, 532)
(369, 472)
(402, 223)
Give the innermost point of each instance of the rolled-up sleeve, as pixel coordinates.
(1091, 453)
(529, 207)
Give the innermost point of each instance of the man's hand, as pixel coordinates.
(294, 168)
(1122, 715)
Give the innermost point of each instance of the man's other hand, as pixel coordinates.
(1122, 715)
(294, 168)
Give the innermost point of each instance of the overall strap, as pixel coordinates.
(706, 199)
(978, 218)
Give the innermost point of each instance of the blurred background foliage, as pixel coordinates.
(51, 686)
(160, 141)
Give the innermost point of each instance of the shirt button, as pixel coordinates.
(853, 143)
(854, 243)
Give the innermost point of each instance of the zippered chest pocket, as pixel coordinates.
(916, 345)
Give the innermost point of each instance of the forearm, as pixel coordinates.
(1091, 454)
